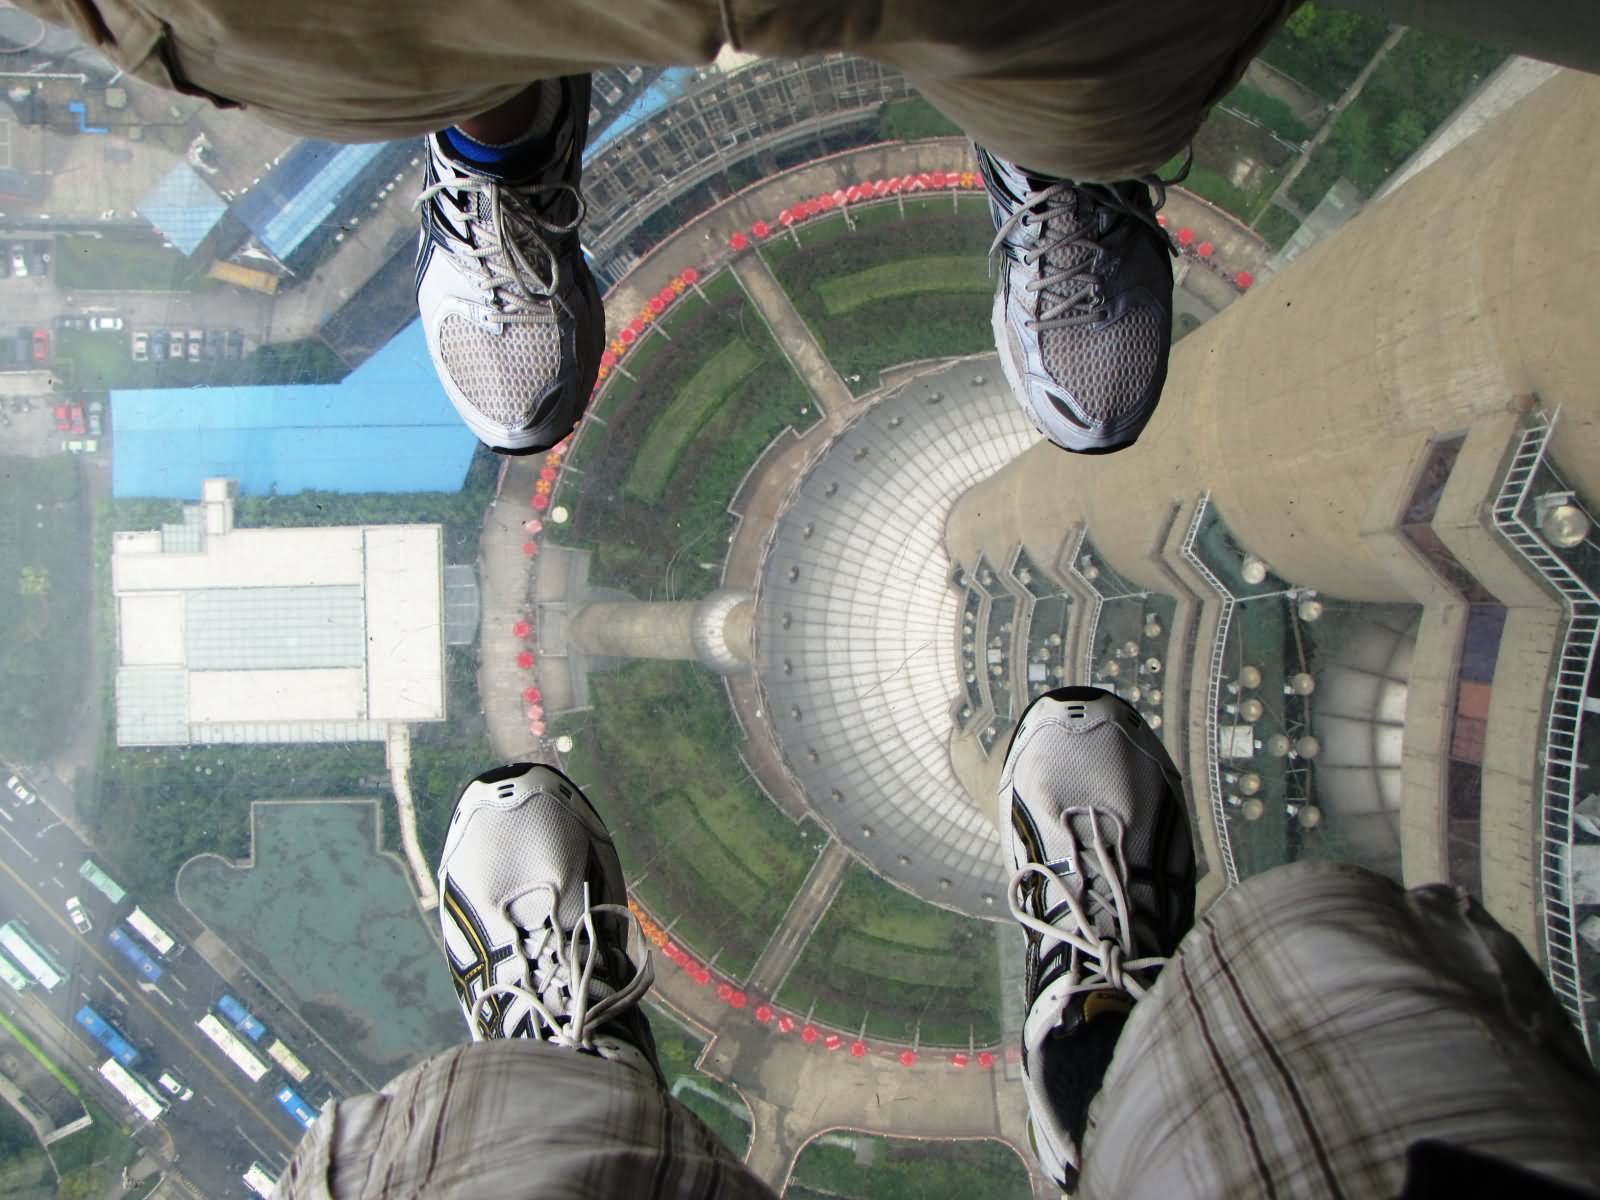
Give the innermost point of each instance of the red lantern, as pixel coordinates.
(959, 1059)
(541, 502)
(809, 1034)
(531, 695)
(858, 1049)
(985, 1059)
(547, 474)
(761, 229)
(738, 241)
(525, 660)
(785, 1024)
(608, 358)
(521, 629)
(764, 1013)
(739, 999)
(939, 179)
(1185, 236)
(690, 276)
(908, 1058)
(833, 1041)
(1205, 249)
(657, 305)
(1244, 280)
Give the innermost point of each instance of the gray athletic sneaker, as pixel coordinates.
(1092, 816)
(1083, 307)
(535, 919)
(511, 312)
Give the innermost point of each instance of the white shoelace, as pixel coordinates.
(573, 1028)
(504, 266)
(1110, 958)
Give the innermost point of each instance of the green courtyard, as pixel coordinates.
(858, 1166)
(702, 847)
(899, 967)
(330, 922)
(896, 283)
(664, 448)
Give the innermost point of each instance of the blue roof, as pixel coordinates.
(183, 208)
(301, 192)
(386, 427)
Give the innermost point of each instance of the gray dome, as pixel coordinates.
(856, 632)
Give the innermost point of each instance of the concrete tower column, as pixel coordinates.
(713, 631)
(1303, 401)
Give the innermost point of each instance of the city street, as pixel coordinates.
(211, 1138)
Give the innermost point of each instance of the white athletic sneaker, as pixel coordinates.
(1083, 308)
(1092, 815)
(511, 312)
(535, 919)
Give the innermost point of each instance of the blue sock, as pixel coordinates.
(479, 152)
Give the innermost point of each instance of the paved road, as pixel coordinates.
(230, 1120)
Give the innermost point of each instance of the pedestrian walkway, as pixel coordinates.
(806, 910)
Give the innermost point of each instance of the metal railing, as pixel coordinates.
(1219, 645)
(1091, 624)
(1563, 721)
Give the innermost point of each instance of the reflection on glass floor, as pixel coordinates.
(778, 605)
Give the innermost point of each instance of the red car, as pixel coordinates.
(75, 413)
(63, 419)
(41, 345)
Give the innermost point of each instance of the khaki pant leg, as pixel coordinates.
(1084, 89)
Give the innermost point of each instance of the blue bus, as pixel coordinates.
(240, 1016)
(106, 1034)
(296, 1107)
(129, 949)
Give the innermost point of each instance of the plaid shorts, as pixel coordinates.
(1315, 1024)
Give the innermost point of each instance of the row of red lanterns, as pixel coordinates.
(765, 1014)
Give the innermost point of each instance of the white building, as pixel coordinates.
(275, 635)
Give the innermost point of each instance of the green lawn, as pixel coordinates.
(938, 321)
(138, 264)
(913, 120)
(860, 1167)
(1277, 226)
(910, 277)
(44, 603)
(901, 965)
(1270, 111)
(705, 849)
(707, 390)
(674, 545)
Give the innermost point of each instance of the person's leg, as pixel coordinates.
(511, 312)
(1091, 814)
(1318, 1031)
(559, 1094)
(1322, 1031)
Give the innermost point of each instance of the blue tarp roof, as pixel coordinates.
(301, 192)
(387, 427)
(183, 208)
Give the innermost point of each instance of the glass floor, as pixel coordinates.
(777, 604)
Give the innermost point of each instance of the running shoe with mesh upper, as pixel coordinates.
(535, 919)
(511, 312)
(1092, 816)
(1083, 306)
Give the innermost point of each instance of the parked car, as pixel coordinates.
(158, 345)
(19, 260)
(20, 790)
(41, 345)
(80, 919)
(24, 344)
(197, 342)
(70, 322)
(63, 419)
(235, 344)
(95, 426)
(141, 346)
(215, 343)
(105, 323)
(174, 1086)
